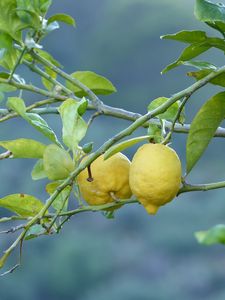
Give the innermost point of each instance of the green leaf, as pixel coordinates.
(124, 145)
(29, 17)
(74, 127)
(82, 106)
(199, 64)
(62, 18)
(98, 84)
(194, 50)
(218, 80)
(24, 148)
(17, 104)
(57, 163)
(215, 235)
(203, 128)
(58, 202)
(155, 133)
(9, 54)
(42, 126)
(35, 231)
(207, 11)
(44, 5)
(9, 21)
(186, 36)
(170, 113)
(22, 204)
(190, 52)
(4, 75)
(39, 7)
(38, 171)
(219, 26)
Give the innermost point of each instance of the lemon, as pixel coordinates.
(155, 175)
(110, 180)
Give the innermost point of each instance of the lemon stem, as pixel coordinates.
(112, 194)
(90, 178)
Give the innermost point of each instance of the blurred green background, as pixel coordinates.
(135, 256)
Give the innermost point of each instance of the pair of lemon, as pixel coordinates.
(153, 176)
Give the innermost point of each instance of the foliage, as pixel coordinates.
(23, 26)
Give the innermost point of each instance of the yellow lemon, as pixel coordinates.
(110, 180)
(155, 175)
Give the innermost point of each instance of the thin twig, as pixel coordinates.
(34, 89)
(13, 229)
(17, 63)
(95, 100)
(93, 117)
(37, 70)
(13, 218)
(60, 210)
(179, 111)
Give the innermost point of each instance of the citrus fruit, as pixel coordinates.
(155, 175)
(110, 180)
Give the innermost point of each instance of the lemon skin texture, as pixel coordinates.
(155, 175)
(110, 177)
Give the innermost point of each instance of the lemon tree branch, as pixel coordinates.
(201, 187)
(107, 110)
(126, 132)
(130, 129)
